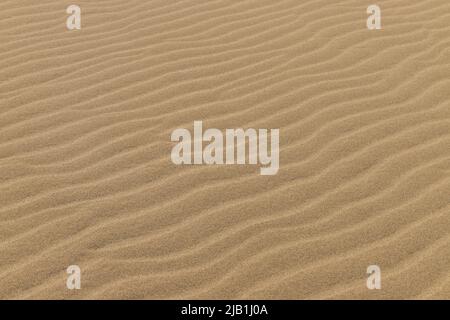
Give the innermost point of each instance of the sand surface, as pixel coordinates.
(85, 171)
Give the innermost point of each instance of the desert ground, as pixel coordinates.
(86, 176)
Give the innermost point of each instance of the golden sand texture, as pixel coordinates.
(86, 177)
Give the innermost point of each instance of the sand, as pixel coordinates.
(86, 177)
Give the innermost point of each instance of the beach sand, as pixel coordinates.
(86, 176)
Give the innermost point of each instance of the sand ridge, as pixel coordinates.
(86, 177)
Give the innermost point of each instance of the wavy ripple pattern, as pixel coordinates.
(85, 170)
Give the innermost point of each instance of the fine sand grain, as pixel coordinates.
(85, 171)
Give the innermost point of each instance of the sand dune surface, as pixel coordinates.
(86, 176)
